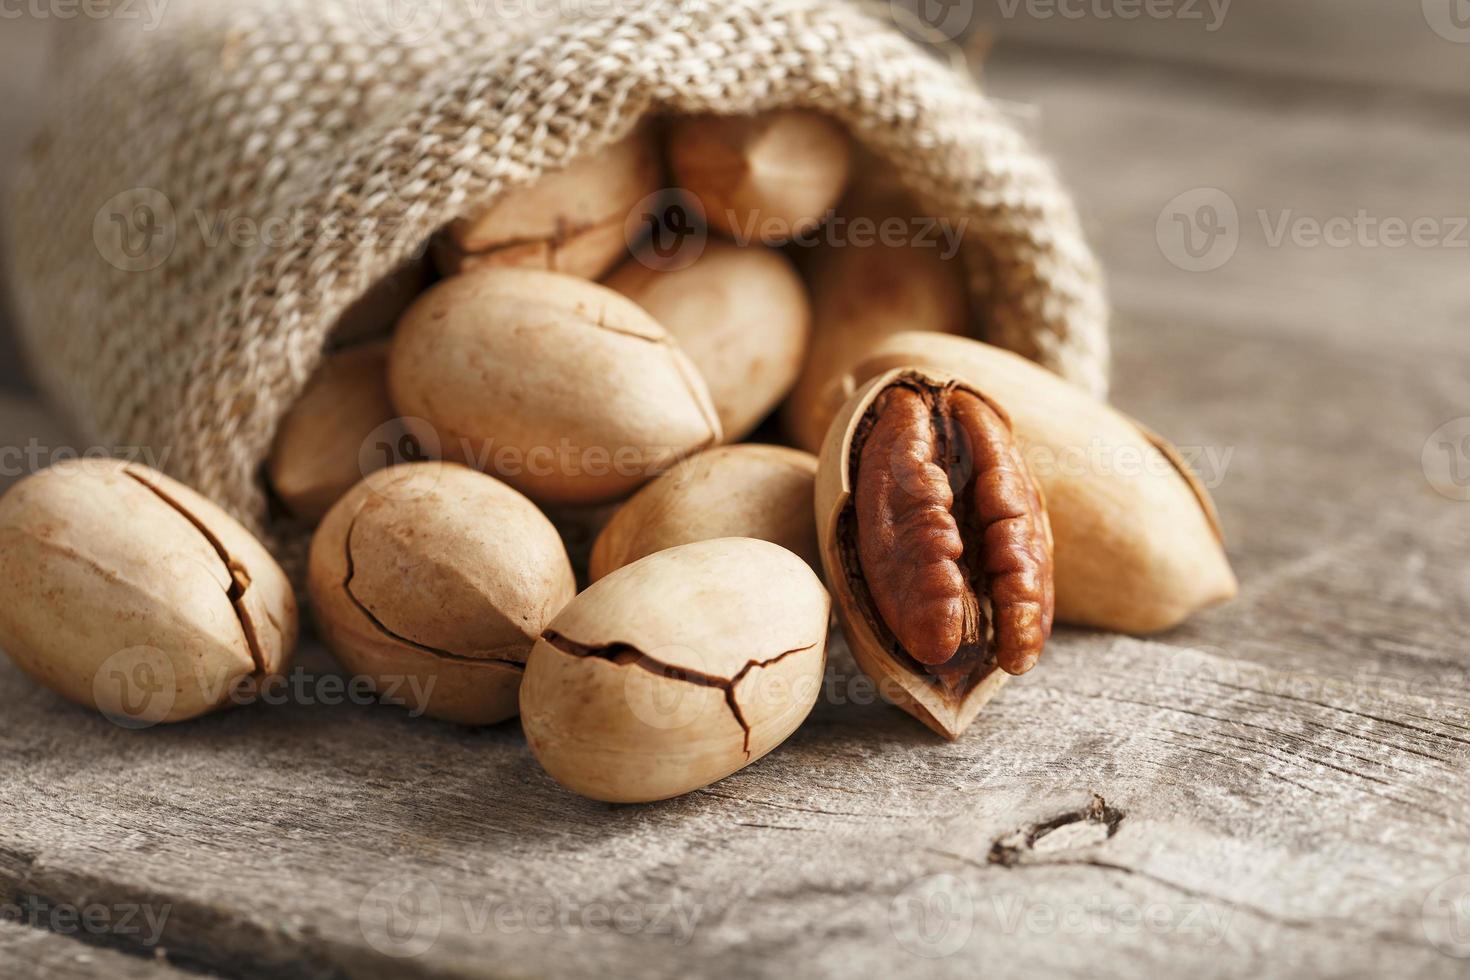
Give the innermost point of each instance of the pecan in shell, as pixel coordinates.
(951, 533)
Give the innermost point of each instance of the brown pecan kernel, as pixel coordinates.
(952, 536)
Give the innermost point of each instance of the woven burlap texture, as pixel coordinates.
(213, 190)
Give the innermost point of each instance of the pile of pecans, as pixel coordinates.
(569, 377)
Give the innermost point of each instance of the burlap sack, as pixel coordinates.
(212, 190)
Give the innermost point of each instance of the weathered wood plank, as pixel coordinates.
(1249, 805)
(37, 952)
(1350, 562)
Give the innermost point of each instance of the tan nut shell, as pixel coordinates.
(916, 694)
(747, 491)
(319, 452)
(1138, 542)
(761, 178)
(571, 221)
(860, 295)
(109, 568)
(742, 316)
(561, 387)
(704, 630)
(434, 573)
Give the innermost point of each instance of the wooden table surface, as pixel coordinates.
(1277, 788)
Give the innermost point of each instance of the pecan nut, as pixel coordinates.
(950, 537)
(936, 540)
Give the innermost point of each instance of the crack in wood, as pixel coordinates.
(1364, 714)
(1013, 848)
(23, 902)
(801, 809)
(1278, 734)
(1255, 911)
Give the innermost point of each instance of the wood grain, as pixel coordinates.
(1251, 813)
(33, 952)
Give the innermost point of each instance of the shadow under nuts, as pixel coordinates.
(571, 221)
(126, 591)
(566, 390)
(433, 581)
(677, 670)
(1138, 545)
(936, 542)
(745, 491)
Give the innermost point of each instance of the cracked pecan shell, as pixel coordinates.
(126, 591)
(433, 580)
(676, 670)
(936, 542)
